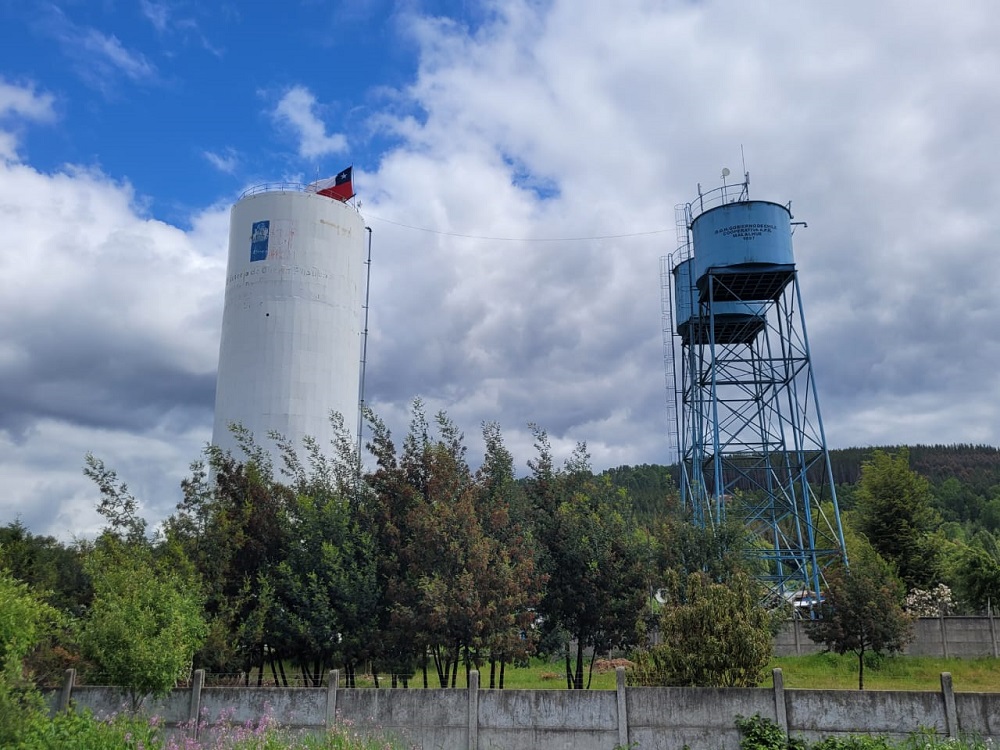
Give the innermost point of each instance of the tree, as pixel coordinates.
(596, 558)
(977, 572)
(24, 621)
(862, 611)
(713, 635)
(144, 624)
(894, 512)
(117, 504)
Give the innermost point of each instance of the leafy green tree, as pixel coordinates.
(232, 525)
(144, 624)
(863, 611)
(50, 568)
(24, 621)
(512, 574)
(976, 572)
(399, 644)
(894, 512)
(713, 635)
(596, 558)
(117, 504)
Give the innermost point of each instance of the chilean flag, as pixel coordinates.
(339, 187)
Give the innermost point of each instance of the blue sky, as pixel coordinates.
(179, 98)
(129, 127)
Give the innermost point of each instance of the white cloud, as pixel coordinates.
(108, 51)
(20, 105)
(25, 102)
(114, 347)
(226, 162)
(158, 14)
(564, 119)
(100, 59)
(297, 110)
(877, 129)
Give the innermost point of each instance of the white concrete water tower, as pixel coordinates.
(292, 323)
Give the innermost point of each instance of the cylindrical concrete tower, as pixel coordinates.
(291, 329)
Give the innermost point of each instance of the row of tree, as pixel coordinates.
(422, 566)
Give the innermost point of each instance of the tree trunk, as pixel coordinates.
(569, 671)
(861, 669)
(503, 666)
(578, 682)
(493, 673)
(274, 672)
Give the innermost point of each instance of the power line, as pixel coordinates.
(520, 239)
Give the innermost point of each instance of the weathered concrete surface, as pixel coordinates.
(434, 718)
(294, 707)
(965, 637)
(814, 714)
(670, 718)
(657, 718)
(571, 719)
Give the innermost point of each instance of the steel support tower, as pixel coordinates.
(749, 434)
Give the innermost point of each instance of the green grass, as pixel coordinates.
(832, 672)
(539, 674)
(816, 672)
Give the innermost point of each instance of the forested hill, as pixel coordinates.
(975, 467)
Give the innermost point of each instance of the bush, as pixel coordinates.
(758, 733)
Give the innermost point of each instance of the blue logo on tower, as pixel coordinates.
(258, 240)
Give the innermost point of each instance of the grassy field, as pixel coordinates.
(818, 672)
(830, 671)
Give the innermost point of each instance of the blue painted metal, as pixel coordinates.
(751, 442)
(735, 322)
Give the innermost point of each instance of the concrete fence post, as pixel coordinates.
(622, 706)
(780, 711)
(332, 685)
(993, 634)
(474, 709)
(67, 691)
(194, 707)
(950, 713)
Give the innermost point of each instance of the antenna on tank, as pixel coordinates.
(725, 174)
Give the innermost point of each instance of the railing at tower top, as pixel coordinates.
(725, 193)
(279, 187)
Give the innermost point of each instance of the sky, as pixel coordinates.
(519, 162)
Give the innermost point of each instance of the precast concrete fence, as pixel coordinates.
(964, 637)
(627, 717)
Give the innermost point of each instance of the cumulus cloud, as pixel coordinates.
(570, 120)
(296, 110)
(874, 129)
(112, 346)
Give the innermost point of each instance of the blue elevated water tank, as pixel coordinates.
(747, 246)
(735, 322)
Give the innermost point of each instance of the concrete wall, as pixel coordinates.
(474, 719)
(932, 636)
